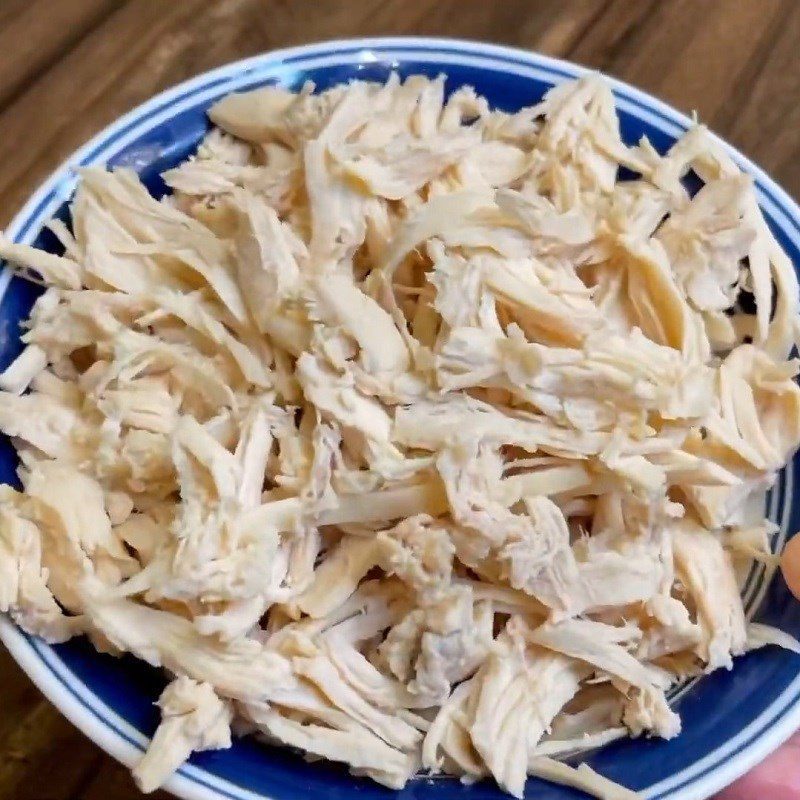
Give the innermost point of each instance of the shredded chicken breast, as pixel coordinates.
(403, 431)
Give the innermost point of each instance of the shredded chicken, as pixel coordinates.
(193, 718)
(403, 431)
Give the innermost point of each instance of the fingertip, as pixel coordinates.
(776, 778)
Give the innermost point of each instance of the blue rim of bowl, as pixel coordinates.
(95, 719)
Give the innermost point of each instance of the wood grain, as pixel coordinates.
(35, 34)
(69, 67)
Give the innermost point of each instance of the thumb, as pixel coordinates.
(776, 778)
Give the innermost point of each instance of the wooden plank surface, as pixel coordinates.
(69, 67)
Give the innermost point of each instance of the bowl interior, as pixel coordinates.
(722, 715)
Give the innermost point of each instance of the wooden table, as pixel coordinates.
(69, 67)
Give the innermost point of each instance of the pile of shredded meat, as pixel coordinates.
(405, 432)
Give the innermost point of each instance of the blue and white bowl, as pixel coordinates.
(731, 720)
